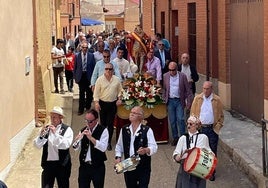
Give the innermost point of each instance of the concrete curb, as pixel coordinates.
(254, 172)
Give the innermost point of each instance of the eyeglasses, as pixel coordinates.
(171, 69)
(138, 114)
(110, 69)
(89, 121)
(84, 47)
(106, 56)
(161, 44)
(188, 123)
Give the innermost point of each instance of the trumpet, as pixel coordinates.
(45, 132)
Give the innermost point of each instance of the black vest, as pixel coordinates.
(97, 157)
(140, 141)
(64, 154)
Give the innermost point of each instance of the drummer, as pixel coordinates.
(186, 142)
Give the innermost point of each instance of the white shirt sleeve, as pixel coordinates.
(103, 142)
(151, 142)
(119, 146)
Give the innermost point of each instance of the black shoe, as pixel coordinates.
(56, 91)
(109, 147)
(174, 142)
(212, 178)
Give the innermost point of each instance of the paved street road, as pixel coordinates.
(164, 170)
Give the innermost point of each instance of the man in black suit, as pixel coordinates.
(68, 42)
(163, 55)
(190, 71)
(83, 69)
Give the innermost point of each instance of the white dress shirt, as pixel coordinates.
(119, 149)
(206, 112)
(101, 144)
(187, 71)
(55, 142)
(202, 142)
(174, 86)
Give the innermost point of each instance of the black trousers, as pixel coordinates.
(69, 79)
(58, 72)
(213, 139)
(85, 94)
(88, 173)
(107, 115)
(54, 170)
(138, 178)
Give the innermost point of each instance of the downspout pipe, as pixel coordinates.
(207, 44)
(35, 46)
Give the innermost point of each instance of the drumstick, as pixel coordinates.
(182, 153)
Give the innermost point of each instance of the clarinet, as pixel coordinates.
(45, 132)
(76, 142)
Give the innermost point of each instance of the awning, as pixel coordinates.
(90, 22)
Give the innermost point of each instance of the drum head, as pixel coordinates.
(191, 160)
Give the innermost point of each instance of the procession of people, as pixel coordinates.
(100, 65)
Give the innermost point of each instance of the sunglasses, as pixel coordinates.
(161, 44)
(106, 56)
(110, 69)
(171, 69)
(84, 47)
(89, 121)
(190, 123)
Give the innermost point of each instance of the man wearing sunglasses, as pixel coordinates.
(92, 142)
(107, 96)
(177, 95)
(99, 68)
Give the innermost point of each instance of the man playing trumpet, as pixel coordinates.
(56, 159)
(92, 141)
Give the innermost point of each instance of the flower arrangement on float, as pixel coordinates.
(141, 90)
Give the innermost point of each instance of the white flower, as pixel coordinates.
(146, 84)
(138, 83)
(125, 95)
(152, 90)
(142, 94)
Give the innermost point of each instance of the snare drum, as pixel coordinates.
(200, 163)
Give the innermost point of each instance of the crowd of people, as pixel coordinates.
(99, 64)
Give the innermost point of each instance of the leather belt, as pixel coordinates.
(207, 125)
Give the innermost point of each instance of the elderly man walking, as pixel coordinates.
(208, 107)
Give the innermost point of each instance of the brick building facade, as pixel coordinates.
(221, 57)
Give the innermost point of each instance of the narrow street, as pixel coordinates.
(164, 170)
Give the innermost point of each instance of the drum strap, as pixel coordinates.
(188, 140)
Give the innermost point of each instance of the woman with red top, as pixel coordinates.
(69, 67)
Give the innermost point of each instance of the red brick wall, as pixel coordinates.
(162, 6)
(219, 37)
(64, 19)
(147, 17)
(224, 41)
